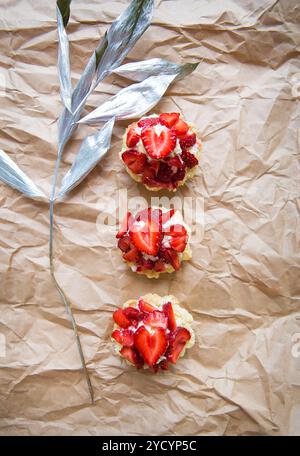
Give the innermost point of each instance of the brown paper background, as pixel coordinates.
(242, 285)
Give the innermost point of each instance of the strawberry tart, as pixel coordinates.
(154, 241)
(161, 151)
(152, 331)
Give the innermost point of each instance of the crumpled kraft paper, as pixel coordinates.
(242, 285)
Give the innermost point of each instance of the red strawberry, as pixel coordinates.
(132, 136)
(149, 213)
(177, 343)
(189, 159)
(175, 162)
(133, 255)
(150, 170)
(156, 319)
(145, 306)
(124, 226)
(159, 265)
(132, 313)
(134, 160)
(151, 346)
(158, 146)
(145, 265)
(164, 364)
(121, 319)
(146, 236)
(132, 355)
(165, 172)
(179, 237)
(169, 118)
(124, 243)
(180, 128)
(187, 141)
(169, 312)
(179, 176)
(171, 257)
(167, 215)
(123, 337)
(148, 122)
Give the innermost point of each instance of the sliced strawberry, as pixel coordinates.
(149, 213)
(167, 215)
(151, 346)
(145, 306)
(180, 128)
(123, 337)
(187, 141)
(171, 257)
(133, 314)
(165, 172)
(133, 136)
(175, 162)
(121, 319)
(132, 355)
(179, 176)
(133, 255)
(179, 237)
(177, 343)
(124, 226)
(169, 118)
(124, 243)
(189, 159)
(169, 312)
(146, 236)
(151, 170)
(158, 146)
(148, 122)
(145, 265)
(134, 160)
(156, 319)
(164, 364)
(159, 265)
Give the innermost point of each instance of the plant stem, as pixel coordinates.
(52, 272)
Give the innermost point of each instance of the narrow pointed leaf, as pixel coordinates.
(64, 71)
(123, 34)
(91, 152)
(64, 8)
(12, 175)
(138, 71)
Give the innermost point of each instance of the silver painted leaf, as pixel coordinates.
(138, 71)
(133, 101)
(64, 71)
(12, 175)
(92, 150)
(123, 34)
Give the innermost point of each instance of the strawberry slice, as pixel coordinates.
(156, 319)
(123, 337)
(124, 226)
(151, 346)
(124, 243)
(177, 343)
(189, 159)
(133, 255)
(158, 146)
(164, 364)
(146, 236)
(150, 170)
(132, 355)
(145, 306)
(180, 128)
(132, 313)
(179, 237)
(179, 176)
(134, 160)
(159, 265)
(167, 215)
(187, 141)
(121, 319)
(148, 122)
(169, 312)
(169, 118)
(133, 136)
(171, 256)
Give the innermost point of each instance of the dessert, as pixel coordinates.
(154, 241)
(152, 331)
(161, 151)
